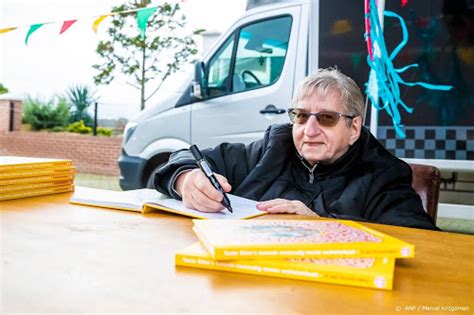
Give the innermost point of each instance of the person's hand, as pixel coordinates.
(198, 193)
(285, 206)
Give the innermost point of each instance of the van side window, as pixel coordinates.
(219, 68)
(256, 62)
(261, 52)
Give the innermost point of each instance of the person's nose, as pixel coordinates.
(312, 127)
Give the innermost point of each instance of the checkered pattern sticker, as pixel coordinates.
(450, 143)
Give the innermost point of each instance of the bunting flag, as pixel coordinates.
(383, 86)
(143, 14)
(6, 30)
(142, 18)
(33, 28)
(98, 21)
(66, 25)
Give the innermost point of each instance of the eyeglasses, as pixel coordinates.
(325, 118)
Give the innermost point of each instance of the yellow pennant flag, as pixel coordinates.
(6, 30)
(98, 21)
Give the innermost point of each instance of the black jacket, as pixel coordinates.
(366, 184)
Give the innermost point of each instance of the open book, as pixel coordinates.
(148, 200)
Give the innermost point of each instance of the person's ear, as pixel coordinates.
(355, 127)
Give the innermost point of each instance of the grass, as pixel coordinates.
(112, 183)
(456, 225)
(97, 181)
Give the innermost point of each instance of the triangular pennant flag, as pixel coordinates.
(98, 21)
(142, 18)
(6, 30)
(33, 28)
(66, 25)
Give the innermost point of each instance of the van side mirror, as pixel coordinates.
(198, 86)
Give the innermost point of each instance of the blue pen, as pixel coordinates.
(202, 163)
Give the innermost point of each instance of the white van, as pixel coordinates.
(247, 79)
(244, 84)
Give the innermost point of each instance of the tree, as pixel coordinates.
(80, 98)
(3, 89)
(148, 59)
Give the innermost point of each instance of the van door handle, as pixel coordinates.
(271, 109)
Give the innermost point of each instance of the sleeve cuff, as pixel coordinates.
(175, 176)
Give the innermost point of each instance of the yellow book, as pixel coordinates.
(148, 200)
(15, 163)
(62, 176)
(36, 192)
(34, 186)
(362, 272)
(36, 172)
(276, 239)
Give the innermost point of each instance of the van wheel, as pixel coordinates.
(150, 183)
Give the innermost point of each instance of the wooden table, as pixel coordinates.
(63, 258)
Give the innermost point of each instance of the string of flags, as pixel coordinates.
(142, 16)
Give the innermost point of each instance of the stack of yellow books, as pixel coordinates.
(22, 177)
(331, 251)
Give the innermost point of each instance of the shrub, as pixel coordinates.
(80, 98)
(3, 89)
(45, 115)
(79, 127)
(57, 129)
(101, 131)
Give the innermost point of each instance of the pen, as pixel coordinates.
(202, 163)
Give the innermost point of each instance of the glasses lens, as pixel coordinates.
(327, 119)
(299, 116)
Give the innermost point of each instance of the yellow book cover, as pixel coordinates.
(36, 192)
(34, 186)
(15, 163)
(363, 272)
(62, 176)
(275, 239)
(49, 171)
(148, 200)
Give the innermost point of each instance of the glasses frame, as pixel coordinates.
(339, 115)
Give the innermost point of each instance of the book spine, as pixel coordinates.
(375, 280)
(37, 192)
(36, 172)
(33, 186)
(34, 165)
(251, 253)
(68, 175)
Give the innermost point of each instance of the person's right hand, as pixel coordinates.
(198, 193)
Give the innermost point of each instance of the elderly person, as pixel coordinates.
(325, 163)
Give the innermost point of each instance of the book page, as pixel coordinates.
(243, 209)
(126, 200)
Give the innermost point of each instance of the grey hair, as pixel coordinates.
(325, 81)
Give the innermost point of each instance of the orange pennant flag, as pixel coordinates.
(98, 21)
(6, 30)
(66, 25)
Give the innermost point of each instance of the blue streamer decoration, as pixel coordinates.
(383, 86)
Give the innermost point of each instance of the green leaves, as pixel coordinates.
(45, 115)
(3, 89)
(80, 98)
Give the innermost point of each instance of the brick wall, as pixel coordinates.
(5, 115)
(95, 155)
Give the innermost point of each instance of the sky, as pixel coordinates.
(52, 63)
